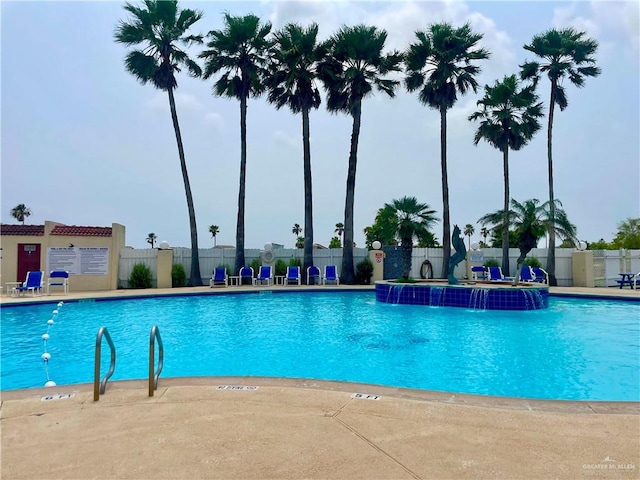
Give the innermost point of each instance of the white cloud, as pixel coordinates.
(288, 141)
(216, 120)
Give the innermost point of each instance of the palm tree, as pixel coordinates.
(214, 230)
(239, 54)
(296, 230)
(440, 65)
(411, 219)
(152, 239)
(20, 212)
(484, 233)
(468, 231)
(292, 82)
(354, 66)
(160, 27)
(508, 121)
(567, 53)
(531, 221)
(339, 229)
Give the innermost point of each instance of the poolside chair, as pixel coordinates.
(219, 277)
(636, 281)
(330, 275)
(265, 275)
(314, 276)
(541, 275)
(32, 283)
(58, 278)
(478, 272)
(293, 276)
(526, 274)
(246, 276)
(495, 274)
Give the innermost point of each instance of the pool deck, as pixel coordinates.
(297, 428)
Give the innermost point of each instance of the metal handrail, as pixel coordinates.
(100, 386)
(153, 377)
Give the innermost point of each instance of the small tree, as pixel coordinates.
(628, 235)
(152, 239)
(140, 276)
(300, 242)
(335, 243)
(20, 212)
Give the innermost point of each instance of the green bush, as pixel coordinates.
(255, 264)
(178, 275)
(532, 262)
(295, 262)
(224, 265)
(491, 262)
(281, 267)
(364, 271)
(140, 276)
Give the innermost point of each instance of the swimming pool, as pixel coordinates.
(574, 350)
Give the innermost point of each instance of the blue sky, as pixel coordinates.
(84, 144)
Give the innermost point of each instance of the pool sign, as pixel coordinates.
(59, 396)
(366, 396)
(79, 260)
(236, 387)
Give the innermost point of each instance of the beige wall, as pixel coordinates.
(77, 283)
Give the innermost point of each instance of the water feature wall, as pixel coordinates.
(503, 297)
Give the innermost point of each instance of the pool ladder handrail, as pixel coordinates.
(100, 386)
(153, 376)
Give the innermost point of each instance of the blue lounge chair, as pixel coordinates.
(32, 283)
(478, 272)
(495, 274)
(58, 278)
(219, 277)
(541, 275)
(293, 276)
(246, 276)
(526, 274)
(313, 275)
(330, 275)
(265, 275)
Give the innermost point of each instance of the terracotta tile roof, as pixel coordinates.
(75, 231)
(25, 230)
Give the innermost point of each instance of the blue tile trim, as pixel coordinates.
(464, 296)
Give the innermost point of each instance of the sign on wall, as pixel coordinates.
(79, 260)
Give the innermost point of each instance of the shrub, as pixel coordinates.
(140, 276)
(532, 262)
(281, 267)
(255, 264)
(224, 265)
(295, 262)
(178, 275)
(491, 262)
(364, 271)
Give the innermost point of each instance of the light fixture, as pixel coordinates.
(164, 245)
(376, 245)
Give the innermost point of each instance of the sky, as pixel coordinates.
(83, 143)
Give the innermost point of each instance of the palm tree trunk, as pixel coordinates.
(551, 250)
(446, 228)
(241, 191)
(505, 220)
(406, 245)
(195, 280)
(347, 274)
(308, 197)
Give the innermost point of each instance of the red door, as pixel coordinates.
(28, 259)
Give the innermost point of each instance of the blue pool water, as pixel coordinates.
(574, 350)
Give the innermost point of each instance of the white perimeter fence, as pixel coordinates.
(607, 263)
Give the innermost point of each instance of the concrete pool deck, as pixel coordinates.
(289, 429)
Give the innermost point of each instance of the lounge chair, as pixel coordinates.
(636, 281)
(293, 276)
(58, 278)
(265, 275)
(246, 276)
(32, 283)
(478, 273)
(314, 277)
(526, 274)
(219, 277)
(541, 275)
(330, 275)
(495, 274)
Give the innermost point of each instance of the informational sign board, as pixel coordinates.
(79, 260)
